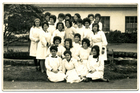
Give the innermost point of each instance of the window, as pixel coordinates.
(105, 23)
(130, 24)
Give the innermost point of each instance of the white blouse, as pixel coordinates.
(80, 31)
(51, 29)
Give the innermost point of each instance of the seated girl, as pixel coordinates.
(56, 42)
(69, 68)
(54, 66)
(95, 64)
(82, 56)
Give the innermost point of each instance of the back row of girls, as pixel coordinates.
(78, 37)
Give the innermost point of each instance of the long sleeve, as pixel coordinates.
(31, 35)
(47, 64)
(104, 40)
(77, 55)
(54, 34)
(88, 64)
(100, 26)
(60, 64)
(42, 39)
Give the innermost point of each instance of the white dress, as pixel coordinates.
(95, 64)
(42, 45)
(71, 74)
(34, 37)
(99, 39)
(54, 63)
(73, 51)
(51, 29)
(81, 66)
(91, 25)
(69, 33)
(87, 33)
(60, 34)
(60, 51)
(80, 31)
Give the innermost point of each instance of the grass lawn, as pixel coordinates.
(29, 73)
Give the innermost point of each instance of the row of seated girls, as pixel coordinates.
(66, 49)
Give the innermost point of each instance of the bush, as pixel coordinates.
(118, 37)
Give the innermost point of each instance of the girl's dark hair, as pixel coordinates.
(78, 15)
(44, 24)
(87, 41)
(77, 34)
(69, 22)
(90, 15)
(70, 42)
(53, 17)
(47, 14)
(98, 15)
(97, 49)
(56, 38)
(86, 20)
(61, 15)
(58, 24)
(79, 21)
(94, 25)
(54, 48)
(68, 51)
(69, 15)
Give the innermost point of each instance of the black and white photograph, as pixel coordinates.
(69, 46)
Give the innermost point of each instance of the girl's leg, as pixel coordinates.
(35, 62)
(42, 65)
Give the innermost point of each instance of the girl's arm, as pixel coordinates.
(101, 65)
(104, 40)
(31, 35)
(48, 67)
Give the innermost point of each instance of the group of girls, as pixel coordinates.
(69, 49)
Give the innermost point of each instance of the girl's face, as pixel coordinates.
(67, 17)
(97, 19)
(95, 28)
(94, 52)
(60, 19)
(76, 39)
(79, 24)
(91, 18)
(85, 45)
(51, 21)
(67, 44)
(67, 24)
(37, 23)
(75, 18)
(57, 42)
(86, 24)
(45, 27)
(53, 52)
(60, 27)
(47, 18)
(67, 56)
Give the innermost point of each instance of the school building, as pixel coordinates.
(122, 17)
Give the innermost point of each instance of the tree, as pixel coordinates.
(18, 19)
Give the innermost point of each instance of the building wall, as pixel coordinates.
(117, 14)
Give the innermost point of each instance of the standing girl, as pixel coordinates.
(99, 38)
(97, 20)
(34, 37)
(91, 18)
(59, 32)
(76, 17)
(52, 27)
(43, 45)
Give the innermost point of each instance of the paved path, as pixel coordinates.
(116, 84)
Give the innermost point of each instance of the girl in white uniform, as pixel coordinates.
(59, 32)
(99, 38)
(68, 46)
(69, 30)
(69, 68)
(76, 17)
(34, 37)
(57, 42)
(82, 57)
(80, 29)
(95, 64)
(97, 20)
(52, 27)
(91, 18)
(54, 66)
(43, 45)
(87, 31)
